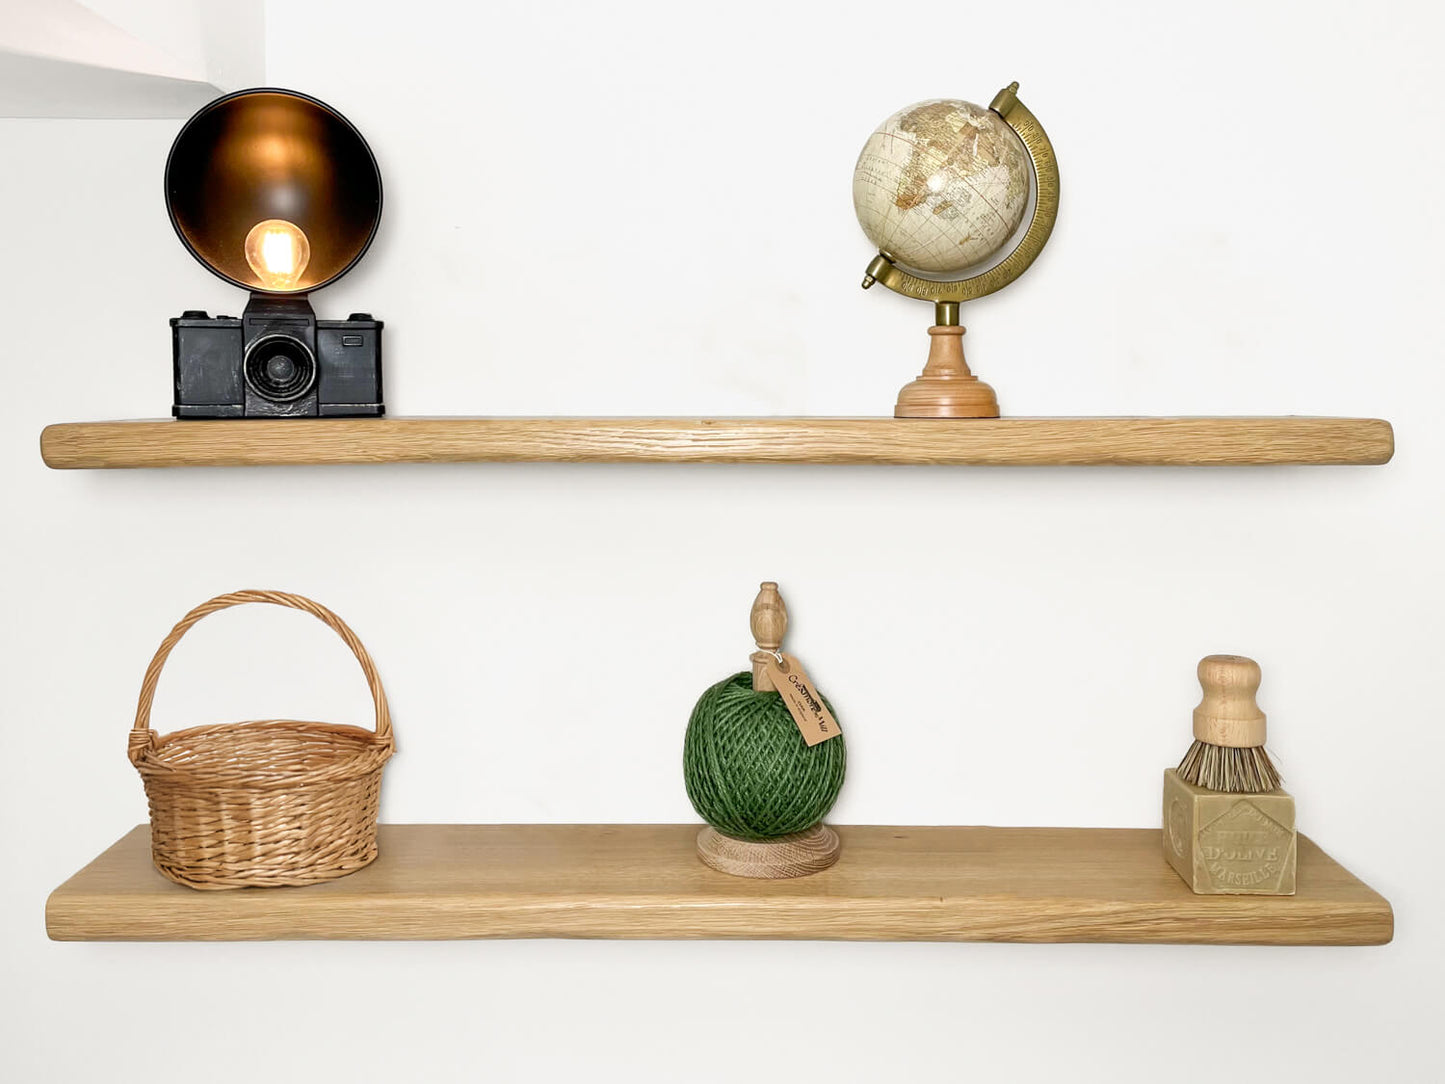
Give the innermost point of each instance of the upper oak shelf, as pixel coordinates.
(1003, 441)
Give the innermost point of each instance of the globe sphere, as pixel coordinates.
(749, 773)
(941, 185)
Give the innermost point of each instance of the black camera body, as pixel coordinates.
(276, 361)
(278, 194)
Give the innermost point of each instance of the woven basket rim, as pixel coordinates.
(368, 755)
(345, 730)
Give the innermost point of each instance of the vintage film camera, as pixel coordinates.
(279, 194)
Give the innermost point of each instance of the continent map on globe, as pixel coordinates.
(941, 185)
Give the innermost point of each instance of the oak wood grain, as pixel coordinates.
(981, 441)
(645, 881)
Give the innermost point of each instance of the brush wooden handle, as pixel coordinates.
(1228, 714)
(769, 623)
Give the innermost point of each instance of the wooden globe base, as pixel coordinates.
(796, 855)
(947, 388)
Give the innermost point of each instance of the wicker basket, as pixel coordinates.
(239, 805)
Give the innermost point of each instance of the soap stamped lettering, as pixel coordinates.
(1178, 826)
(1244, 848)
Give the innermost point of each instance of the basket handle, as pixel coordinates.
(142, 737)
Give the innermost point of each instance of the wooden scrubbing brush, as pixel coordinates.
(1228, 753)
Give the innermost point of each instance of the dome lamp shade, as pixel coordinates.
(273, 191)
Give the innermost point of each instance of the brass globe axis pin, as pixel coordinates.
(947, 388)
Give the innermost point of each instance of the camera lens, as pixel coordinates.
(280, 368)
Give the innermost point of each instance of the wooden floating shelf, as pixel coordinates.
(439, 882)
(1004, 441)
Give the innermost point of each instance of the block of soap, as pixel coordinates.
(1233, 844)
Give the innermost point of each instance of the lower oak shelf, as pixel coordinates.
(439, 882)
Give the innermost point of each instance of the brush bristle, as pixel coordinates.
(1227, 769)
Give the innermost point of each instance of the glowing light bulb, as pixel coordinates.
(278, 252)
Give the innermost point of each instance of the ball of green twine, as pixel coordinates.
(749, 772)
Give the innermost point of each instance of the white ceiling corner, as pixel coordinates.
(126, 58)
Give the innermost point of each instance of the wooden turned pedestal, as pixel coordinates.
(946, 389)
(796, 855)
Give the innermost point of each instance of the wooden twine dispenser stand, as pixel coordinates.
(277, 802)
(801, 853)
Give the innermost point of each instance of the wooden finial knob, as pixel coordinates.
(1228, 714)
(769, 623)
(769, 619)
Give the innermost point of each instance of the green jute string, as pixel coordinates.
(749, 773)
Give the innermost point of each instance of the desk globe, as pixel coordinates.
(941, 187)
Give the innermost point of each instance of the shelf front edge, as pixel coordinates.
(1241, 441)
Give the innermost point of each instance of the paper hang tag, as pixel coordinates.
(815, 721)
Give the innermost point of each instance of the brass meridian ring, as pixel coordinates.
(1046, 209)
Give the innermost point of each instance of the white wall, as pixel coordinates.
(643, 208)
